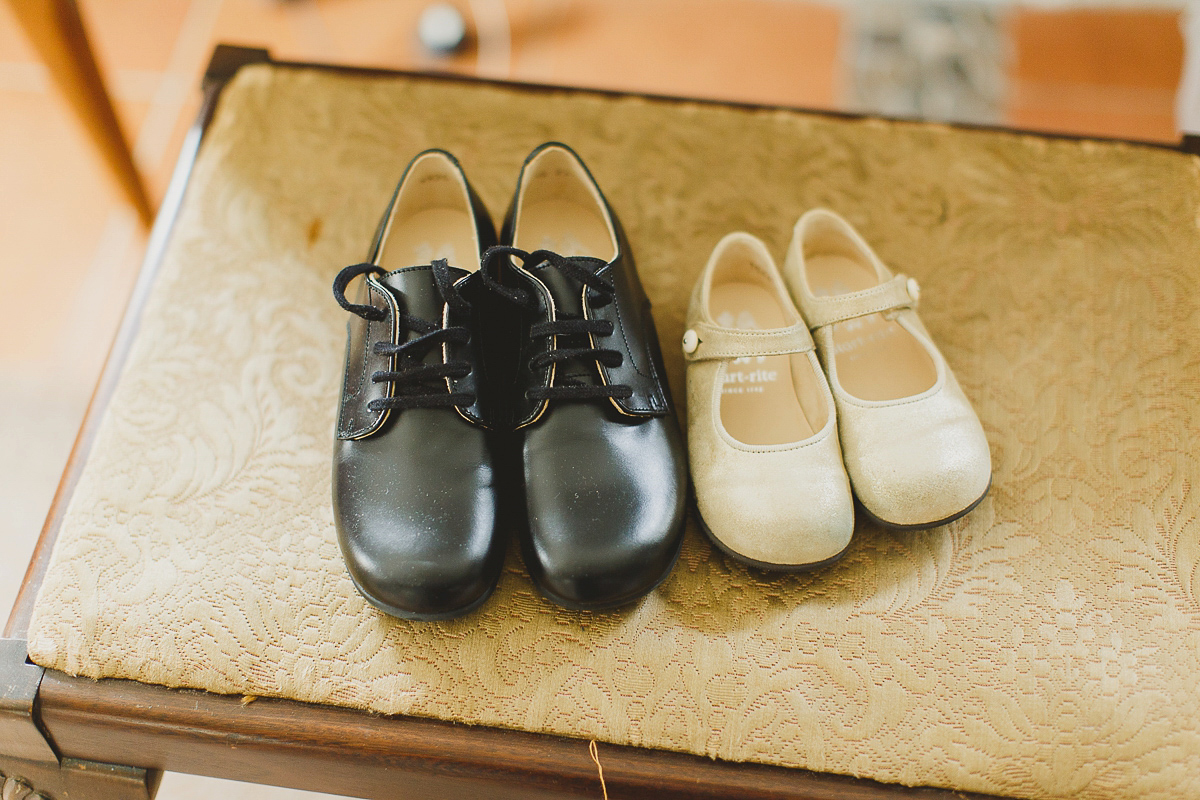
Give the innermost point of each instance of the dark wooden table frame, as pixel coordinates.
(77, 739)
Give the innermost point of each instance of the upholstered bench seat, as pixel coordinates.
(1047, 645)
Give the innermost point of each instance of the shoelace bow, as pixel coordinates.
(600, 292)
(415, 383)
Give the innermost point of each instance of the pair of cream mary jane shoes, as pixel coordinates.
(778, 450)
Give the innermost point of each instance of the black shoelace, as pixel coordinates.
(600, 293)
(415, 383)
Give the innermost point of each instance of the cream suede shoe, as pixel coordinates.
(916, 453)
(762, 436)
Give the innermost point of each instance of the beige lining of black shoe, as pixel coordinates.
(431, 219)
(560, 210)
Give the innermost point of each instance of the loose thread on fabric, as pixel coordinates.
(595, 753)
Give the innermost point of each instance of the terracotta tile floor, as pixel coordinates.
(70, 248)
(1107, 73)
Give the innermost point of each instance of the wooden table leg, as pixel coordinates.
(56, 31)
(30, 766)
(73, 779)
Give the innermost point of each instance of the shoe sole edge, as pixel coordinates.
(765, 566)
(416, 616)
(924, 526)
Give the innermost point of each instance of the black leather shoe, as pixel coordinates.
(413, 479)
(601, 455)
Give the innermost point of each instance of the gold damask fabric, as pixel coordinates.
(1048, 645)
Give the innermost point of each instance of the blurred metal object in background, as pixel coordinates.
(442, 29)
(933, 59)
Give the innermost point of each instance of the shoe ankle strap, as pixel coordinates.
(703, 342)
(899, 292)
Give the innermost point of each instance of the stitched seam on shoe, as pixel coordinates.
(653, 376)
(411, 269)
(731, 356)
(861, 293)
(818, 305)
(341, 424)
(657, 381)
(625, 339)
(361, 372)
(855, 315)
(362, 376)
(526, 353)
(469, 416)
(367, 339)
(480, 368)
(657, 387)
(651, 406)
(481, 379)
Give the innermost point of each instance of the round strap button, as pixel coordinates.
(690, 341)
(914, 289)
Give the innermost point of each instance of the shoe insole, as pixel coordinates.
(876, 358)
(758, 398)
(420, 238)
(564, 227)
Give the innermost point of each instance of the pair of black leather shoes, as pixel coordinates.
(493, 386)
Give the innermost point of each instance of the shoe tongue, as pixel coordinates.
(417, 294)
(568, 304)
(567, 292)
